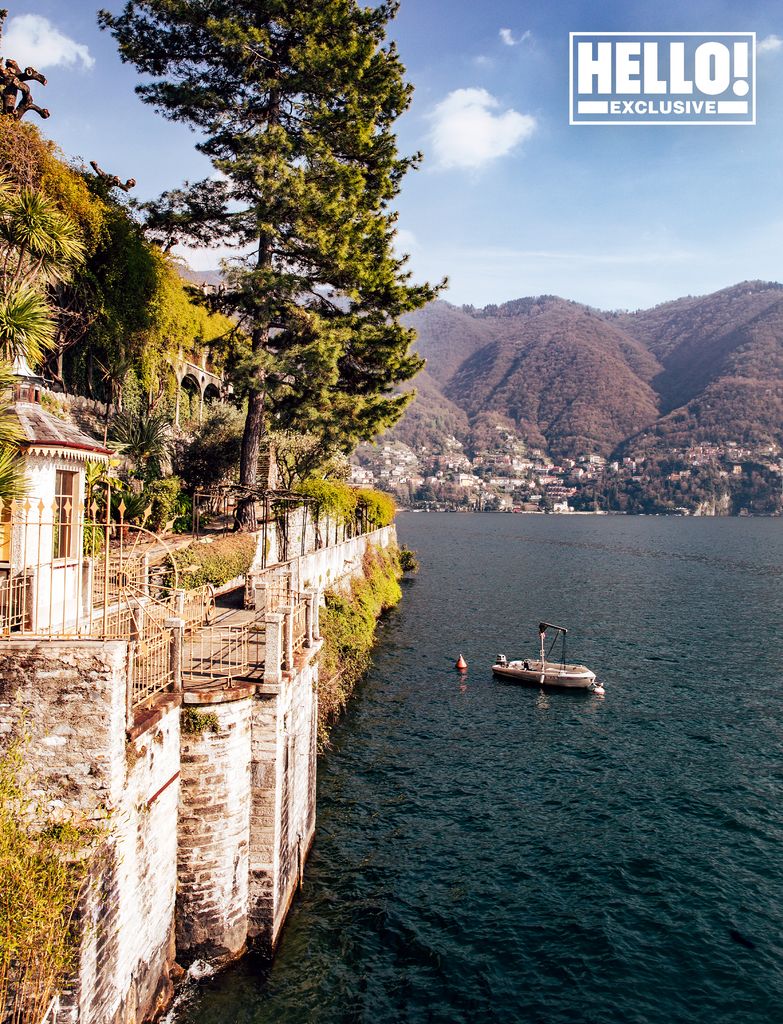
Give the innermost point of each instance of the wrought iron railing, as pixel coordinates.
(222, 653)
(195, 607)
(151, 666)
(68, 575)
(14, 601)
(276, 590)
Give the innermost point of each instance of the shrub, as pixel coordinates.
(144, 440)
(134, 505)
(45, 868)
(194, 722)
(348, 626)
(216, 562)
(163, 497)
(378, 507)
(345, 504)
(408, 560)
(211, 455)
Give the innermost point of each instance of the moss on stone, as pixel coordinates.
(194, 722)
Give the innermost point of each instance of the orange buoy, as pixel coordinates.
(461, 665)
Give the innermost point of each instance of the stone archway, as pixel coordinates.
(190, 385)
(197, 379)
(211, 394)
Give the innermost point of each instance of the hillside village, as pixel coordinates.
(701, 479)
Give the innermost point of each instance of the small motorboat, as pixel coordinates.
(544, 672)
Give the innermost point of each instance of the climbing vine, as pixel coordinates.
(45, 868)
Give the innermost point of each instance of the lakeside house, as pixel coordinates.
(42, 578)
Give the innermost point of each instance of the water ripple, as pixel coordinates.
(489, 853)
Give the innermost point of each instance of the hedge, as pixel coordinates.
(215, 562)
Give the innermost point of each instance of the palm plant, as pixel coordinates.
(39, 246)
(11, 475)
(144, 439)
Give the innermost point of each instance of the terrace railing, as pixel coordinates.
(66, 575)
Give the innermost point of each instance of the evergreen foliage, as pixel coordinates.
(296, 104)
(345, 504)
(378, 507)
(408, 560)
(39, 247)
(11, 476)
(331, 498)
(144, 439)
(210, 455)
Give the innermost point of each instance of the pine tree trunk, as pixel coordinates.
(254, 422)
(248, 460)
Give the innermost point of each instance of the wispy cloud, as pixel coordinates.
(771, 44)
(638, 257)
(508, 38)
(469, 130)
(33, 40)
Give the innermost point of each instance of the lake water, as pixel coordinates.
(488, 852)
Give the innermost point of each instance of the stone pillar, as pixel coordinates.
(273, 662)
(177, 627)
(131, 667)
(214, 824)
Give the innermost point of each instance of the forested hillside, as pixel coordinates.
(569, 378)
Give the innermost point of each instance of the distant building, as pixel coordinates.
(361, 477)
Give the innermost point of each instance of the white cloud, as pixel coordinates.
(507, 37)
(769, 45)
(33, 40)
(466, 131)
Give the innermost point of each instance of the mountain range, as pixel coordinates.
(572, 379)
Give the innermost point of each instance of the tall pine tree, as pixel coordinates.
(295, 102)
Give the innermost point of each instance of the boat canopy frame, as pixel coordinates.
(560, 631)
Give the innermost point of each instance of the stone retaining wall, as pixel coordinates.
(71, 698)
(216, 824)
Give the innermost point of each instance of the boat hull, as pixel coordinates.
(572, 677)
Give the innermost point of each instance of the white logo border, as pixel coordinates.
(646, 122)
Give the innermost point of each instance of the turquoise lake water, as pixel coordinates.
(491, 853)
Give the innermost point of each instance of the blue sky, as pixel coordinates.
(511, 200)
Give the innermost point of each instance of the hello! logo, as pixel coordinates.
(663, 78)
